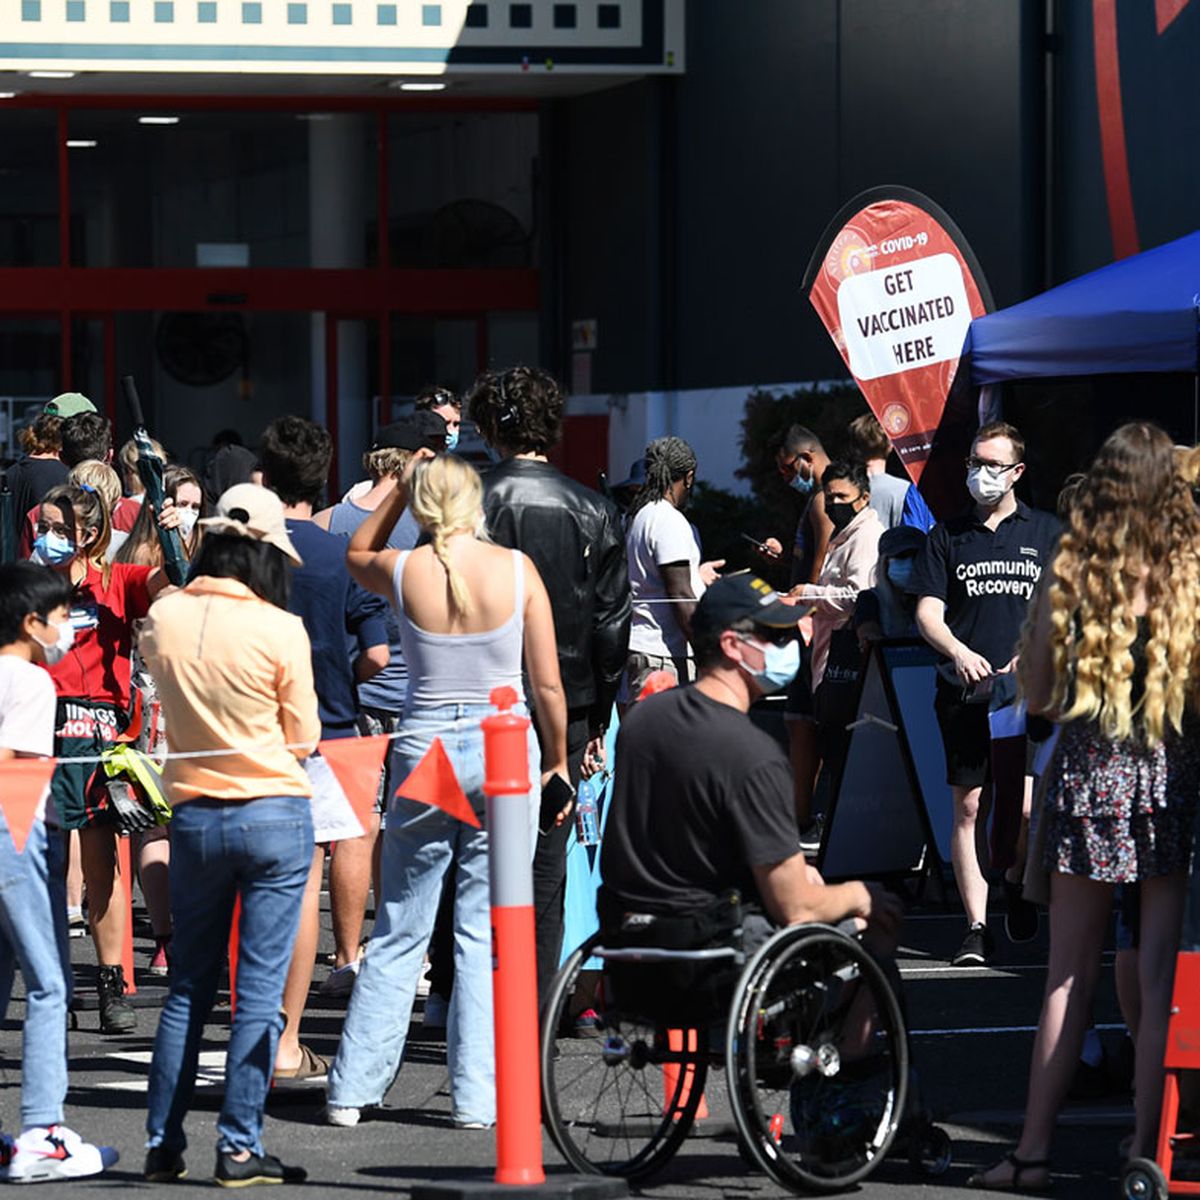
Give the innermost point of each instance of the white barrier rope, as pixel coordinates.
(308, 747)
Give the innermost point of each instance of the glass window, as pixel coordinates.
(520, 16)
(162, 196)
(462, 189)
(608, 16)
(76, 10)
(28, 189)
(477, 16)
(431, 14)
(564, 16)
(29, 367)
(118, 11)
(343, 14)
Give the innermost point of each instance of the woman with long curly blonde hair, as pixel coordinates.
(1111, 652)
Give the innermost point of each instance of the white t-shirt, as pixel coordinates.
(27, 706)
(660, 534)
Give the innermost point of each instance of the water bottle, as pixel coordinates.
(587, 816)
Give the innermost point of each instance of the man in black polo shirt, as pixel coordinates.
(974, 581)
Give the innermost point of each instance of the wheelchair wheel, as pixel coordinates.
(621, 1102)
(817, 1060)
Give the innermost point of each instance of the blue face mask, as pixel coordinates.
(780, 664)
(900, 572)
(451, 441)
(800, 484)
(53, 549)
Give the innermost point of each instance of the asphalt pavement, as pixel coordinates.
(971, 1029)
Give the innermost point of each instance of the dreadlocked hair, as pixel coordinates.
(447, 496)
(1130, 523)
(668, 459)
(83, 506)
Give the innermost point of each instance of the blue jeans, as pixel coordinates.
(33, 935)
(420, 844)
(261, 851)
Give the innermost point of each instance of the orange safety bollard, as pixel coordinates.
(514, 947)
(125, 871)
(671, 1077)
(233, 955)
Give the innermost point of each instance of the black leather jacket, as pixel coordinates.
(573, 535)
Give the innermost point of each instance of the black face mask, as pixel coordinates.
(841, 514)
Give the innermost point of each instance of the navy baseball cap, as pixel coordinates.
(738, 596)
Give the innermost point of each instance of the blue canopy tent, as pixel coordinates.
(1137, 315)
(1100, 334)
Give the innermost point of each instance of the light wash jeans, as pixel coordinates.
(33, 935)
(260, 850)
(420, 844)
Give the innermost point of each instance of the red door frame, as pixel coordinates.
(374, 293)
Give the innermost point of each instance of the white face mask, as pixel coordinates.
(187, 522)
(987, 485)
(56, 651)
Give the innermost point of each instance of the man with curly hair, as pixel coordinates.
(573, 536)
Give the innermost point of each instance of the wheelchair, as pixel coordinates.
(813, 1046)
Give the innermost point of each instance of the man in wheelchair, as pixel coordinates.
(715, 943)
(702, 836)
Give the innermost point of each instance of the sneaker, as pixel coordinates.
(474, 1124)
(1020, 915)
(437, 1012)
(160, 964)
(55, 1152)
(163, 1165)
(77, 925)
(810, 835)
(347, 1118)
(116, 1013)
(340, 981)
(258, 1168)
(976, 948)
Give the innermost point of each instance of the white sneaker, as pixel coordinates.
(340, 981)
(55, 1153)
(346, 1117)
(437, 1011)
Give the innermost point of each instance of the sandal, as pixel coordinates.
(1019, 1166)
(310, 1068)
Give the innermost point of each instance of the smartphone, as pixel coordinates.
(556, 795)
(761, 547)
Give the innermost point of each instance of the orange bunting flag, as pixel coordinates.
(357, 763)
(23, 785)
(433, 781)
(657, 681)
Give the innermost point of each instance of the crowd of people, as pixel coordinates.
(399, 608)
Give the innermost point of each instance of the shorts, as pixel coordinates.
(966, 736)
(639, 667)
(798, 698)
(371, 723)
(82, 728)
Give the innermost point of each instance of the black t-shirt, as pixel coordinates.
(986, 577)
(701, 795)
(29, 480)
(341, 618)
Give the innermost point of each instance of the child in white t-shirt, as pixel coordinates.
(36, 631)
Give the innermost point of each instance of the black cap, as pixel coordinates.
(734, 597)
(420, 431)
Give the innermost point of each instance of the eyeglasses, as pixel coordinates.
(62, 531)
(974, 463)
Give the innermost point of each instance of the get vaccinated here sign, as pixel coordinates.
(896, 286)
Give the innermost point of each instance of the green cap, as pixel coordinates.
(69, 404)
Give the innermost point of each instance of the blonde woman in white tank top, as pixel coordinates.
(471, 616)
